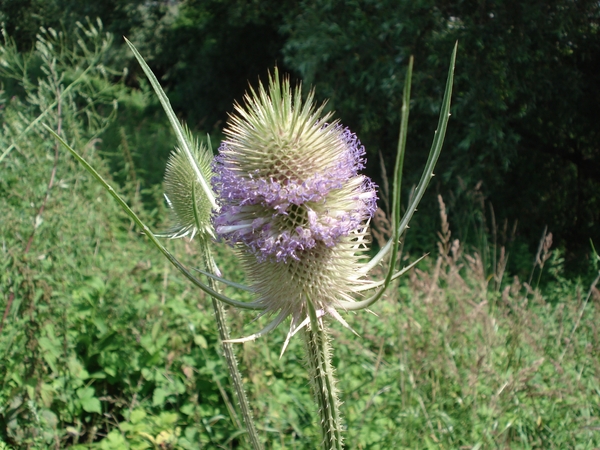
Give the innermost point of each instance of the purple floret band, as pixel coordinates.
(279, 219)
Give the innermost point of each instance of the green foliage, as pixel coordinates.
(523, 123)
(91, 328)
(23, 18)
(211, 50)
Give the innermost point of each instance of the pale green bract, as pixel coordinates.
(191, 211)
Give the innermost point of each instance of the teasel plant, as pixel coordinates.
(285, 191)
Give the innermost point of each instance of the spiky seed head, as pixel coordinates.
(190, 207)
(291, 198)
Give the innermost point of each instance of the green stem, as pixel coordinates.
(234, 371)
(323, 381)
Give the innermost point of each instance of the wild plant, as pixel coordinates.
(481, 367)
(285, 191)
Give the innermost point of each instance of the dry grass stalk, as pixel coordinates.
(493, 350)
(543, 254)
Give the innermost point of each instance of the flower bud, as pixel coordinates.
(190, 207)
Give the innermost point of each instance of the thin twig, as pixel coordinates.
(11, 297)
(43, 206)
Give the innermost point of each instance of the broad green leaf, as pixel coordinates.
(91, 405)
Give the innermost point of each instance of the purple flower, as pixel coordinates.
(292, 200)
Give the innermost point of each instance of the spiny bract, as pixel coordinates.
(190, 208)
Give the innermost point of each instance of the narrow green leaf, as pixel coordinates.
(180, 133)
(434, 153)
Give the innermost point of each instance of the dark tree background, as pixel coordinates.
(524, 117)
(524, 120)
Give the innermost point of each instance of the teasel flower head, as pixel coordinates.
(292, 200)
(191, 208)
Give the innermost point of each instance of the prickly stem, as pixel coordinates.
(232, 365)
(323, 382)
